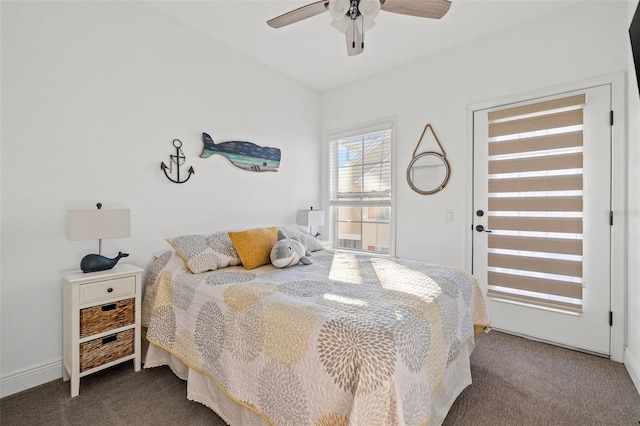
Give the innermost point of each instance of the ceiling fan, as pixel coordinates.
(354, 17)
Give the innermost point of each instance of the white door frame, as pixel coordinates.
(618, 191)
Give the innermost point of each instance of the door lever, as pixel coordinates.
(480, 228)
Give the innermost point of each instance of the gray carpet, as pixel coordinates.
(515, 382)
(519, 381)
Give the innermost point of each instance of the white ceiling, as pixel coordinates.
(312, 52)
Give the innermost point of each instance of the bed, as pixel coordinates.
(352, 339)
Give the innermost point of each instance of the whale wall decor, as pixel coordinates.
(246, 155)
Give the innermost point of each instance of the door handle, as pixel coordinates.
(480, 228)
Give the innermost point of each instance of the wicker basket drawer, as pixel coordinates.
(97, 352)
(109, 316)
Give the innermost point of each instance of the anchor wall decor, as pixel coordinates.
(178, 159)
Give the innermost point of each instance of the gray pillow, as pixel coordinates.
(203, 253)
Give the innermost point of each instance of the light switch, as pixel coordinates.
(448, 215)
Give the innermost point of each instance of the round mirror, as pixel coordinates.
(428, 173)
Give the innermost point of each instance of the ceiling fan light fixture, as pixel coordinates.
(369, 9)
(364, 24)
(338, 9)
(340, 24)
(354, 17)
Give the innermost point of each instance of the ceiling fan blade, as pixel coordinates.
(434, 9)
(299, 14)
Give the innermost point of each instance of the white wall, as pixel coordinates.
(583, 41)
(576, 43)
(632, 353)
(93, 93)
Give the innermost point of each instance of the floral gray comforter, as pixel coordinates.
(349, 340)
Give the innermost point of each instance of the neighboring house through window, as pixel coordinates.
(360, 188)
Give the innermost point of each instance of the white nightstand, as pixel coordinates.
(101, 318)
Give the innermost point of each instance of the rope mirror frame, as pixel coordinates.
(415, 158)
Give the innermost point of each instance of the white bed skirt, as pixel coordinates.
(202, 389)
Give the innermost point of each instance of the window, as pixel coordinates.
(360, 189)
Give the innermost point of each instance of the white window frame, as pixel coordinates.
(361, 129)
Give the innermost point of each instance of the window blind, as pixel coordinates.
(361, 167)
(535, 203)
(360, 190)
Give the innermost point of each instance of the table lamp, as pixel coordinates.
(95, 225)
(311, 218)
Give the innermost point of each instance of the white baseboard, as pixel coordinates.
(631, 361)
(29, 378)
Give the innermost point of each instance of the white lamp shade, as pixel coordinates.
(340, 25)
(338, 9)
(98, 224)
(310, 217)
(369, 9)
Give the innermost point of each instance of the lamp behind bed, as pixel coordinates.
(311, 218)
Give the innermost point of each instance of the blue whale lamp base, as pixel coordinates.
(96, 262)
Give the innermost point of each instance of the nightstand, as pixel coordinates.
(101, 319)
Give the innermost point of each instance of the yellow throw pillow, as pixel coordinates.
(254, 245)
